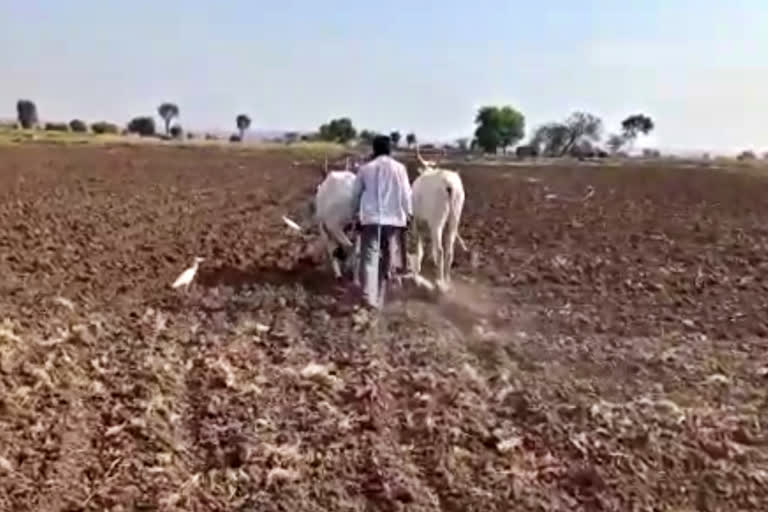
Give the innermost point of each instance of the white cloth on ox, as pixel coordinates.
(383, 192)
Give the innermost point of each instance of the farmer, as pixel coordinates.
(383, 200)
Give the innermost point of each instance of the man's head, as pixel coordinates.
(381, 145)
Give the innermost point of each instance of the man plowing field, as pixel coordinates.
(382, 200)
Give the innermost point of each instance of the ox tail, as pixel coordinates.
(450, 214)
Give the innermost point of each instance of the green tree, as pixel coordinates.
(410, 139)
(168, 111)
(395, 138)
(243, 122)
(498, 128)
(339, 130)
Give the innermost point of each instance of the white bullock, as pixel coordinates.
(333, 208)
(438, 200)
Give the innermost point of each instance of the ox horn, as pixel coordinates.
(418, 155)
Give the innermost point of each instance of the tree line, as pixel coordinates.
(500, 128)
(497, 128)
(27, 118)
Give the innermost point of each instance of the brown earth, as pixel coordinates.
(606, 353)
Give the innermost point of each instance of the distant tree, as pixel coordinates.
(235, 138)
(582, 128)
(498, 127)
(526, 151)
(56, 127)
(103, 127)
(559, 139)
(395, 138)
(191, 135)
(746, 155)
(243, 123)
(77, 125)
(168, 111)
(339, 130)
(651, 153)
(26, 113)
(176, 131)
(616, 142)
(583, 149)
(410, 139)
(550, 139)
(291, 137)
(366, 136)
(462, 144)
(635, 125)
(144, 126)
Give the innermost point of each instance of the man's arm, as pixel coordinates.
(357, 191)
(406, 194)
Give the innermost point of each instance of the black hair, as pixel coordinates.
(381, 145)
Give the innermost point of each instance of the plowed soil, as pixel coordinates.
(603, 352)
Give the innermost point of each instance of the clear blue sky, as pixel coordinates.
(699, 68)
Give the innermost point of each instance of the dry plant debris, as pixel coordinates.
(607, 354)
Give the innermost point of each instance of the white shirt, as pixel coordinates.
(383, 192)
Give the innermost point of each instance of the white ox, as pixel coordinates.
(333, 208)
(438, 200)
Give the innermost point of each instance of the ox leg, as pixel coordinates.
(438, 253)
(336, 268)
(329, 251)
(419, 250)
(356, 262)
(344, 243)
(450, 242)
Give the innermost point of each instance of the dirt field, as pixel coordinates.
(598, 354)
